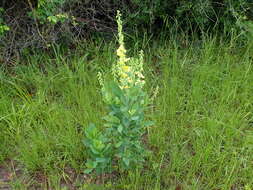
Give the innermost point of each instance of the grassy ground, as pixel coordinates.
(203, 132)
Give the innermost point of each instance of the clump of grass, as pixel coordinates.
(203, 113)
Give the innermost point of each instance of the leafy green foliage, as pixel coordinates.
(99, 148)
(3, 27)
(190, 14)
(125, 124)
(47, 9)
(55, 21)
(120, 142)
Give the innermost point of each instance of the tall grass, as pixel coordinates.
(202, 137)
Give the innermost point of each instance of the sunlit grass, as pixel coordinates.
(202, 137)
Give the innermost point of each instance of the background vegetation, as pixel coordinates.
(30, 24)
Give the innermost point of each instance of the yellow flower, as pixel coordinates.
(130, 81)
(126, 68)
(124, 75)
(121, 51)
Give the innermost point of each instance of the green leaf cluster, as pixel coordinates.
(99, 150)
(3, 27)
(119, 144)
(49, 11)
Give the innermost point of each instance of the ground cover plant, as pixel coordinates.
(202, 137)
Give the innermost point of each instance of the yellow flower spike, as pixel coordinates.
(100, 79)
(119, 22)
(128, 75)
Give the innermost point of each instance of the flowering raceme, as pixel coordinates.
(128, 71)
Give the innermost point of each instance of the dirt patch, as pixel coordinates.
(11, 173)
(5, 177)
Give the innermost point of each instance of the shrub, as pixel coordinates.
(38, 23)
(191, 14)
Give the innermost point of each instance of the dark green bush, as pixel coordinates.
(194, 14)
(37, 23)
(201, 14)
